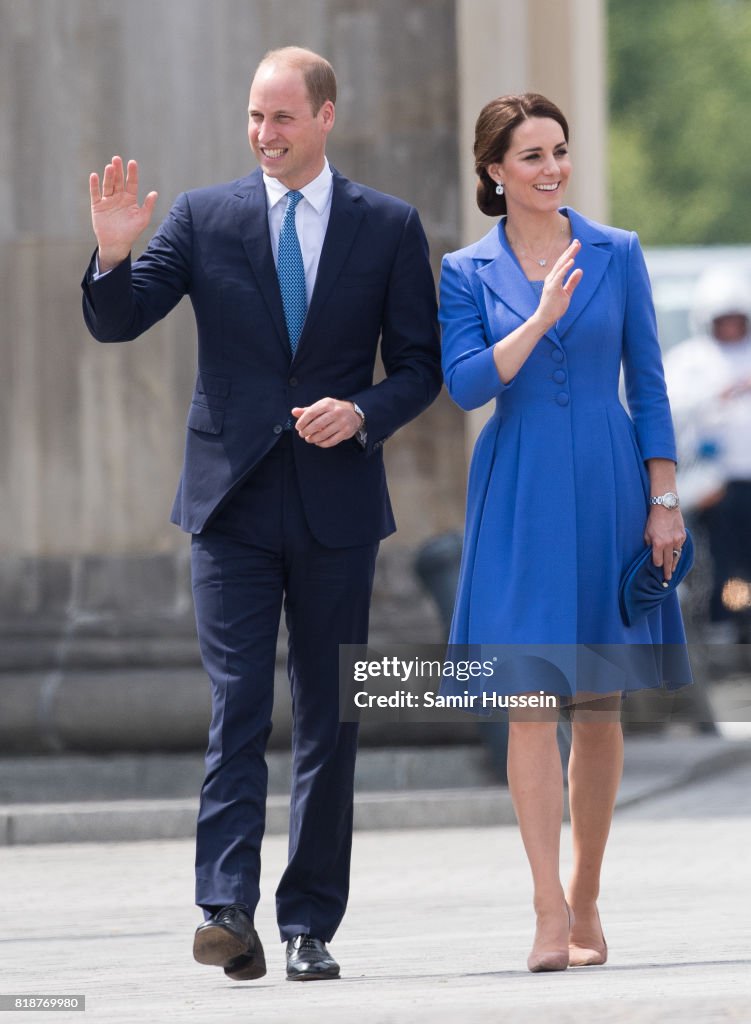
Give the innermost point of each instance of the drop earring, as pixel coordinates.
(499, 188)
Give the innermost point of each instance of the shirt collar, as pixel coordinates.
(317, 192)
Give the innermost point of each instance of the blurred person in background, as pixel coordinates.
(709, 382)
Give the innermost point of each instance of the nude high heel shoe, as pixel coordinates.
(588, 956)
(550, 960)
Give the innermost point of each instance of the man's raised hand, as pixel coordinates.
(116, 217)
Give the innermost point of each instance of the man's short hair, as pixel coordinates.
(318, 74)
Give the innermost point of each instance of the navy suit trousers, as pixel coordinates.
(257, 555)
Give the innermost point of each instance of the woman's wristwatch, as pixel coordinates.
(668, 500)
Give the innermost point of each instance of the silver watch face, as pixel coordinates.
(670, 500)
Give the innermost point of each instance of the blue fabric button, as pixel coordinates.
(562, 398)
(557, 355)
(278, 428)
(559, 376)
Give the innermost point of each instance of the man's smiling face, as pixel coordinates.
(287, 138)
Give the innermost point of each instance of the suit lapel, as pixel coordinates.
(253, 223)
(347, 210)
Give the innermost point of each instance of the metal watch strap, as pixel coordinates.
(669, 500)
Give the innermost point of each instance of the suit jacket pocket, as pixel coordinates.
(208, 421)
(211, 384)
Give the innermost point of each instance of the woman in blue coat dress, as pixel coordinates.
(540, 315)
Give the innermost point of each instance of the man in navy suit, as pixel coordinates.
(295, 274)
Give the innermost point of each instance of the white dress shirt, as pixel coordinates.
(311, 219)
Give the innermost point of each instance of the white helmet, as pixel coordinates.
(720, 291)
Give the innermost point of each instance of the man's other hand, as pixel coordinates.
(327, 422)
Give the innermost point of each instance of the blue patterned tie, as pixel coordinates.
(291, 271)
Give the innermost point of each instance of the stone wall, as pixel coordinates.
(92, 576)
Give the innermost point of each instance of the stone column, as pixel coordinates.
(97, 641)
(557, 48)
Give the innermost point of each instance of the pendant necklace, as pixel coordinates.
(536, 259)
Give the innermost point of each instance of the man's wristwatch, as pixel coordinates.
(668, 500)
(361, 414)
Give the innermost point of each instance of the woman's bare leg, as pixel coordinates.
(594, 774)
(535, 780)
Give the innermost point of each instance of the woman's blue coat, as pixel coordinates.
(558, 489)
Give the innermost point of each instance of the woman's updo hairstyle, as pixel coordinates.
(495, 126)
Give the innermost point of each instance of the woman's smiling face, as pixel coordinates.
(536, 167)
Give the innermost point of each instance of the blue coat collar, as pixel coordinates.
(501, 273)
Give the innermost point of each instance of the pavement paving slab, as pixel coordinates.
(438, 927)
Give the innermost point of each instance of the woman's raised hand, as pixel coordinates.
(557, 290)
(116, 217)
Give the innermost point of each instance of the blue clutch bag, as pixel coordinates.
(642, 586)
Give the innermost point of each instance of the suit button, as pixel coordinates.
(293, 382)
(278, 428)
(559, 376)
(557, 355)
(562, 398)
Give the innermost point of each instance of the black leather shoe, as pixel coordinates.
(247, 967)
(309, 960)
(229, 940)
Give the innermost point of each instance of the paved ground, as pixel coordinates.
(438, 928)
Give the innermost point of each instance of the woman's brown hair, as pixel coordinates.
(495, 126)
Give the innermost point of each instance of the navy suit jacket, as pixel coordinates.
(374, 283)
